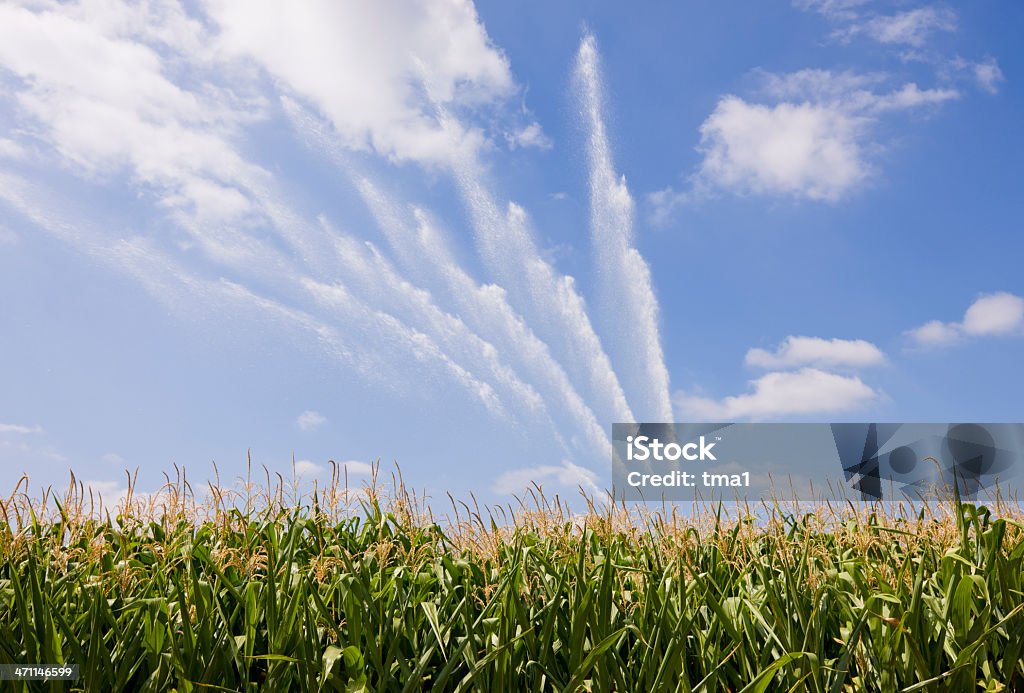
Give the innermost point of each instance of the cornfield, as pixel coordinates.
(254, 588)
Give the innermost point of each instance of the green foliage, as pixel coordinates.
(302, 599)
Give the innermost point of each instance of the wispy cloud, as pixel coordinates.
(19, 429)
(365, 267)
(193, 296)
(529, 137)
(525, 341)
(569, 476)
(310, 420)
(424, 251)
(382, 328)
(157, 102)
(857, 18)
(997, 314)
(548, 300)
(9, 149)
(808, 391)
(814, 351)
(26, 448)
(833, 9)
(988, 75)
(626, 302)
(912, 27)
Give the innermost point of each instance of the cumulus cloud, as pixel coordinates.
(355, 468)
(306, 468)
(995, 314)
(778, 394)
(310, 420)
(568, 475)
(378, 71)
(935, 332)
(801, 149)
(809, 139)
(815, 351)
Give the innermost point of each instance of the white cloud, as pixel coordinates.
(911, 28)
(9, 149)
(99, 95)
(367, 270)
(935, 332)
(811, 140)
(816, 85)
(26, 448)
(568, 475)
(547, 299)
(663, 203)
(815, 351)
(833, 9)
(378, 71)
(310, 420)
(19, 429)
(778, 394)
(995, 314)
(531, 135)
(112, 494)
(909, 96)
(307, 468)
(109, 491)
(800, 149)
(988, 75)
(425, 252)
(355, 468)
(626, 287)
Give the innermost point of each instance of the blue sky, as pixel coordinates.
(469, 238)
